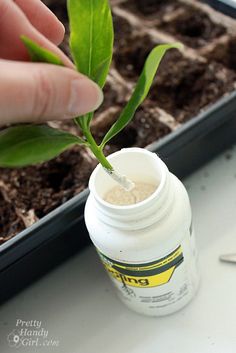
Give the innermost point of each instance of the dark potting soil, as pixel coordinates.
(151, 9)
(193, 28)
(10, 223)
(114, 94)
(192, 87)
(225, 53)
(28, 194)
(182, 88)
(144, 129)
(130, 58)
(123, 31)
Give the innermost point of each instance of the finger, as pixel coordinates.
(39, 92)
(43, 20)
(11, 47)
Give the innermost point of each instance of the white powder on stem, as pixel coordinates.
(124, 182)
(118, 196)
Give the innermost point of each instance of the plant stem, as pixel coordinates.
(97, 151)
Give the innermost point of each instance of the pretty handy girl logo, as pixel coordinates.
(150, 274)
(30, 334)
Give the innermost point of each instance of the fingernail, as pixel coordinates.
(85, 97)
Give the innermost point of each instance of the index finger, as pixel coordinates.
(13, 24)
(43, 19)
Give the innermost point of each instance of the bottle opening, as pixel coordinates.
(139, 165)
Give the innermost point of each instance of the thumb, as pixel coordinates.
(31, 92)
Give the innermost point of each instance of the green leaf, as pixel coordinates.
(141, 90)
(30, 144)
(92, 37)
(39, 54)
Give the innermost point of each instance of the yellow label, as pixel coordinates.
(150, 274)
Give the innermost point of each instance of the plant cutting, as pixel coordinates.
(146, 269)
(91, 43)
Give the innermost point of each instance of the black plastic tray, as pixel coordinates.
(228, 7)
(62, 233)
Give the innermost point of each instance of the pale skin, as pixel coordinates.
(32, 92)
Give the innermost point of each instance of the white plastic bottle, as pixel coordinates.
(148, 248)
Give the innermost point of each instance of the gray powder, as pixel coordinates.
(121, 197)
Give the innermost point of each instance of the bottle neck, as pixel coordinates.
(139, 165)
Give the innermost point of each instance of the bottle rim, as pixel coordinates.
(123, 208)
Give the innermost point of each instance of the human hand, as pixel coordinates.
(38, 92)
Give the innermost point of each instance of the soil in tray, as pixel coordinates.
(185, 87)
(193, 28)
(151, 9)
(30, 193)
(144, 129)
(129, 59)
(182, 86)
(10, 223)
(114, 94)
(225, 53)
(122, 30)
